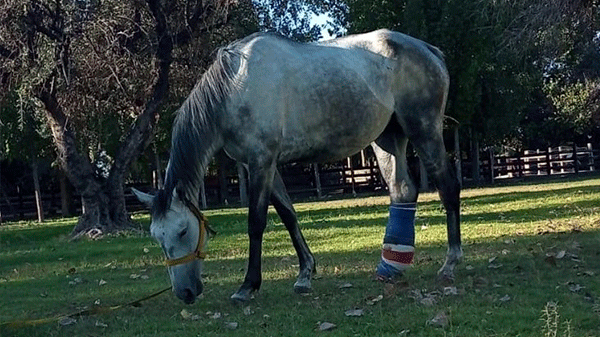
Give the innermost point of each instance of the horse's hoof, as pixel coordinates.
(302, 287)
(242, 296)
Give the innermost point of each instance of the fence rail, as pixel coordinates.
(356, 174)
(560, 160)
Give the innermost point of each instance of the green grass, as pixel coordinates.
(513, 272)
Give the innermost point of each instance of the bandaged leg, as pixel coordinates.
(399, 241)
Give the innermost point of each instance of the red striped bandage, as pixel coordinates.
(398, 256)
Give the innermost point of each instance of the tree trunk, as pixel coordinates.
(38, 191)
(475, 166)
(103, 202)
(66, 202)
(104, 210)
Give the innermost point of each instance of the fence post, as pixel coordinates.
(519, 166)
(575, 164)
(591, 156)
(548, 163)
(317, 180)
(352, 175)
(492, 162)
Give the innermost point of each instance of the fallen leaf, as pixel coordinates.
(354, 313)
(505, 251)
(505, 298)
(469, 267)
(450, 291)
(185, 314)
(146, 250)
(495, 265)
(67, 321)
(404, 332)
(101, 325)
(428, 301)
(560, 254)
(97, 302)
(415, 294)
(144, 277)
(492, 259)
(440, 320)
(345, 285)
(574, 287)
(326, 326)
(588, 273)
(248, 311)
(231, 325)
(102, 282)
(134, 276)
(373, 300)
(216, 315)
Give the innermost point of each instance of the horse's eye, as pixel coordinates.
(182, 233)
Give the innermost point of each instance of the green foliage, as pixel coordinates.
(498, 54)
(295, 19)
(570, 103)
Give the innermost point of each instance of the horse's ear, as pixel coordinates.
(144, 198)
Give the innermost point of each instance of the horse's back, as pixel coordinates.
(321, 100)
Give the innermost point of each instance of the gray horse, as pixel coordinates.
(268, 100)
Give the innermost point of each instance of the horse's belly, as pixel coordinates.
(340, 135)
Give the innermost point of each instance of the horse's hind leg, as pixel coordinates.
(398, 242)
(283, 205)
(426, 137)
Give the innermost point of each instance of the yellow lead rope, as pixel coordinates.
(87, 312)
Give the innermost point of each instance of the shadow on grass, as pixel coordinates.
(503, 283)
(510, 280)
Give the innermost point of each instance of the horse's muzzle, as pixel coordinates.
(188, 295)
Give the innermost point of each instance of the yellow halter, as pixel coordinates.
(204, 229)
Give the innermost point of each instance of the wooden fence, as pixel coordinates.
(357, 174)
(562, 160)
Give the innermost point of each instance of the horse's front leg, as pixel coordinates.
(261, 178)
(283, 205)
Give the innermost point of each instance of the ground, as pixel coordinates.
(530, 269)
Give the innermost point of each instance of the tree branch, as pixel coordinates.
(74, 164)
(7, 53)
(140, 135)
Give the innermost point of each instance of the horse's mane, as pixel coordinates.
(195, 131)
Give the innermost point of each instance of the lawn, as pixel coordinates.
(531, 268)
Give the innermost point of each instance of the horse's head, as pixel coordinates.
(182, 232)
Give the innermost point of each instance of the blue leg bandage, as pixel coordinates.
(399, 241)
